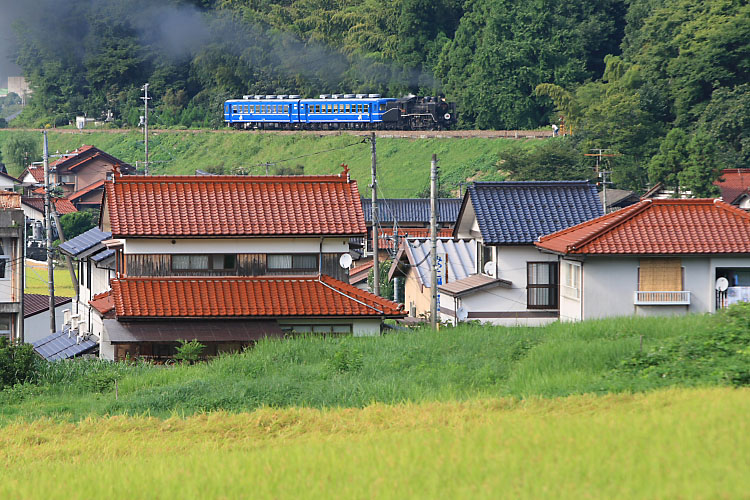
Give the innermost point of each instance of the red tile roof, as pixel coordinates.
(87, 189)
(36, 172)
(361, 272)
(233, 206)
(259, 296)
(658, 227)
(62, 205)
(103, 302)
(733, 182)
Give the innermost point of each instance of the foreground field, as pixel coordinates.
(403, 164)
(679, 443)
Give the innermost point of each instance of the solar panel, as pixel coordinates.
(59, 346)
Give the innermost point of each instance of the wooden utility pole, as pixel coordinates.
(145, 124)
(376, 266)
(48, 224)
(602, 173)
(433, 239)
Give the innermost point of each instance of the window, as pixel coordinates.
(5, 256)
(234, 109)
(330, 108)
(571, 280)
(359, 108)
(347, 107)
(68, 179)
(541, 285)
(335, 108)
(286, 108)
(5, 325)
(660, 275)
(382, 107)
(293, 262)
(339, 329)
(367, 108)
(203, 262)
(246, 108)
(485, 256)
(317, 108)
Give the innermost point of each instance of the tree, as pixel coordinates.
(671, 160)
(76, 223)
(189, 351)
(19, 151)
(554, 159)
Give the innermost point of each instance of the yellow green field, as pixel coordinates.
(36, 281)
(677, 443)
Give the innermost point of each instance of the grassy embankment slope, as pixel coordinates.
(403, 164)
(679, 443)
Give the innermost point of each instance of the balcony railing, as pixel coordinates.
(662, 298)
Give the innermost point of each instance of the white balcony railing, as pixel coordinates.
(662, 298)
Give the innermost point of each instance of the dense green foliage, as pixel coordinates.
(454, 363)
(18, 151)
(76, 223)
(17, 363)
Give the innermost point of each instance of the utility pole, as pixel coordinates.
(48, 224)
(145, 123)
(376, 266)
(599, 154)
(433, 239)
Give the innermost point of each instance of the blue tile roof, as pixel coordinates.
(84, 241)
(516, 213)
(412, 209)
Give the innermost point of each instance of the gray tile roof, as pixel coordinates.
(84, 242)
(517, 213)
(412, 210)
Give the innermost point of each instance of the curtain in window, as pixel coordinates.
(305, 262)
(199, 262)
(279, 262)
(180, 262)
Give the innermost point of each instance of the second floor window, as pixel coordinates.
(204, 262)
(292, 262)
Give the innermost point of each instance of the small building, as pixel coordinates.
(658, 257)
(618, 198)
(33, 207)
(456, 262)
(734, 184)
(36, 315)
(505, 219)
(11, 266)
(359, 274)
(8, 182)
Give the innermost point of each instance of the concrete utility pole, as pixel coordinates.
(145, 124)
(433, 239)
(599, 154)
(48, 224)
(376, 266)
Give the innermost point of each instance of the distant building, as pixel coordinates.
(18, 85)
(11, 266)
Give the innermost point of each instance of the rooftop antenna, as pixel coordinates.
(599, 155)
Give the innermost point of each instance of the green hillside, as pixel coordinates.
(403, 164)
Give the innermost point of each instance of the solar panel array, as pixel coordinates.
(60, 346)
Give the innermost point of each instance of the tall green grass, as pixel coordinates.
(452, 364)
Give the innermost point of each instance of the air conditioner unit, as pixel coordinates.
(73, 325)
(66, 317)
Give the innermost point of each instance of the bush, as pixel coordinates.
(17, 362)
(189, 351)
(345, 359)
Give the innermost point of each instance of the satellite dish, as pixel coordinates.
(345, 261)
(462, 313)
(489, 268)
(722, 284)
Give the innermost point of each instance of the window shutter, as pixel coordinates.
(660, 275)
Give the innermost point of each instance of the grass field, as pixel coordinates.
(459, 364)
(679, 443)
(403, 164)
(36, 281)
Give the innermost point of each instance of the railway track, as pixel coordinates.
(400, 134)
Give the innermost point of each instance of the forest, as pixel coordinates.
(662, 84)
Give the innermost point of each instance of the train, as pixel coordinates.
(340, 111)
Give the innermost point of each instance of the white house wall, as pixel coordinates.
(36, 327)
(240, 245)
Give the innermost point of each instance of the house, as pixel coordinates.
(657, 257)
(661, 192)
(228, 260)
(11, 266)
(456, 262)
(36, 315)
(403, 217)
(520, 284)
(8, 182)
(734, 184)
(359, 273)
(95, 264)
(80, 174)
(33, 207)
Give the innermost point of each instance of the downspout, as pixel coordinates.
(22, 279)
(320, 258)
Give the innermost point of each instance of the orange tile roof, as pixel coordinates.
(36, 172)
(733, 182)
(87, 189)
(259, 296)
(233, 206)
(62, 205)
(103, 302)
(658, 227)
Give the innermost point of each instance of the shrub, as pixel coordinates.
(189, 351)
(345, 359)
(17, 362)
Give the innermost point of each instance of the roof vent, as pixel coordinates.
(348, 96)
(271, 96)
(325, 96)
(374, 96)
(258, 96)
(337, 96)
(247, 97)
(282, 96)
(293, 96)
(361, 96)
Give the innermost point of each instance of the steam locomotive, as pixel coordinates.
(340, 111)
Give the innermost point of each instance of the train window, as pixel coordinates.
(330, 108)
(257, 108)
(359, 108)
(382, 107)
(234, 109)
(286, 108)
(246, 108)
(317, 108)
(367, 108)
